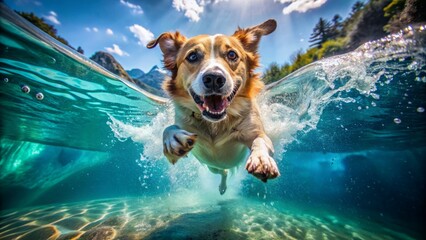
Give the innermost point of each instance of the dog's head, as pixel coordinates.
(209, 72)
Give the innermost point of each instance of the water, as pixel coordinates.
(81, 151)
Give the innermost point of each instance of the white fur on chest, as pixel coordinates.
(225, 156)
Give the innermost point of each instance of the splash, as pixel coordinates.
(292, 106)
(295, 104)
(150, 135)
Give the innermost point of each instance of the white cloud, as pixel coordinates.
(94, 29)
(124, 39)
(300, 5)
(141, 33)
(192, 8)
(109, 31)
(52, 17)
(136, 9)
(116, 49)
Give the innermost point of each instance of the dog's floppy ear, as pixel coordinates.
(170, 44)
(250, 37)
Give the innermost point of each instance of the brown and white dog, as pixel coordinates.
(213, 87)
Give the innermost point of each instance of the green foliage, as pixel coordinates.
(332, 47)
(80, 50)
(395, 7)
(365, 22)
(42, 25)
(392, 11)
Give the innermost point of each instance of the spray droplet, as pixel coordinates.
(420, 109)
(39, 96)
(397, 120)
(5, 80)
(25, 89)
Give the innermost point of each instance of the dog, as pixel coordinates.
(213, 87)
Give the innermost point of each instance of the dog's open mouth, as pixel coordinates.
(213, 107)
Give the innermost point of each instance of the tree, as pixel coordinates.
(321, 33)
(336, 26)
(356, 7)
(80, 50)
(273, 73)
(41, 24)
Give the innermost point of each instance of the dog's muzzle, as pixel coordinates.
(213, 104)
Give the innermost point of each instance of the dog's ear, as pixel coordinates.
(250, 37)
(170, 44)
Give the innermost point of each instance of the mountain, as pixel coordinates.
(108, 62)
(135, 73)
(154, 77)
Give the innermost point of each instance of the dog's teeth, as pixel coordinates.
(207, 108)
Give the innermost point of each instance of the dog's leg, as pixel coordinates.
(177, 143)
(260, 163)
(224, 174)
(222, 186)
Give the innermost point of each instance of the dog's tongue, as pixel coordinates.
(215, 103)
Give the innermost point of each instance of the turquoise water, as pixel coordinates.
(86, 160)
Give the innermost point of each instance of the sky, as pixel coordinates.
(123, 27)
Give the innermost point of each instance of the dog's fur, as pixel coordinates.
(213, 87)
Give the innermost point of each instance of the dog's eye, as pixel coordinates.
(192, 57)
(232, 55)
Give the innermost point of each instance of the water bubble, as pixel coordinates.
(375, 96)
(413, 66)
(25, 89)
(5, 80)
(359, 108)
(420, 109)
(397, 120)
(39, 96)
(373, 104)
(52, 60)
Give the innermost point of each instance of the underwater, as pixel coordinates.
(82, 153)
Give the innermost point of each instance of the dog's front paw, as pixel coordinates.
(177, 143)
(262, 166)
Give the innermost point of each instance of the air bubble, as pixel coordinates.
(25, 89)
(52, 60)
(373, 104)
(6, 80)
(359, 108)
(413, 66)
(39, 96)
(397, 120)
(420, 109)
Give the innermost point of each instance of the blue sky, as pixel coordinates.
(123, 27)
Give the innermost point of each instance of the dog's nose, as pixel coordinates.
(213, 81)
